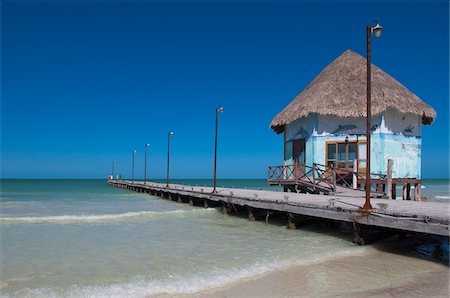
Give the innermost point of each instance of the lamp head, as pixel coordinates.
(134, 151)
(377, 30)
(147, 145)
(219, 109)
(171, 133)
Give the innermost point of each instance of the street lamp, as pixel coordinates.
(132, 167)
(219, 109)
(145, 163)
(168, 156)
(376, 30)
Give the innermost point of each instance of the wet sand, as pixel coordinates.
(395, 272)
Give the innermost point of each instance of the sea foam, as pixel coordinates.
(139, 286)
(93, 218)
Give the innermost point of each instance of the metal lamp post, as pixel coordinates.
(145, 163)
(132, 167)
(168, 156)
(376, 30)
(218, 110)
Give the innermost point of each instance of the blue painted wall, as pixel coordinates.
(394, 137)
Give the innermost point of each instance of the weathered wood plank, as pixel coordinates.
(407, 215)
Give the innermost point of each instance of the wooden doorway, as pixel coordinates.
(299, 157)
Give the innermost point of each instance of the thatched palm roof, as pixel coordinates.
(340, 89)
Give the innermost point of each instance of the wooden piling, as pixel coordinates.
(224, 208)
(251, 217)
(390, 163)
(291, 221)
(417, 192)
(355, 177)
(334, 181)
(357, 236)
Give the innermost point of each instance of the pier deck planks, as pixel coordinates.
(413, 216)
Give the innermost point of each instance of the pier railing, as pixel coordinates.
(320, 177)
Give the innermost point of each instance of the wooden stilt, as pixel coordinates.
(394, 191)
(291, 221)
(355, 177)
(224, 208)
(251, 217)
(357, 237)
(404, 191)
(205, 204)
(408, 191)
(334, 181)
(417, 192)
(191, 201)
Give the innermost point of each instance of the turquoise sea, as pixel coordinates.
(75, 238)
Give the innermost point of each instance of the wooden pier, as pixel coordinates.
(394, 215)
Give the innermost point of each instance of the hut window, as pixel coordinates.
(342, 154)
(351, 154)
(362, 155)
(331, 155)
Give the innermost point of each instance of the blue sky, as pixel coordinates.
(83, 83)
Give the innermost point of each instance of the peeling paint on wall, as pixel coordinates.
(395, 136)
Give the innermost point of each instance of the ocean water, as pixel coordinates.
(75, 238)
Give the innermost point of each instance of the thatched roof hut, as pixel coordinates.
(340, 90)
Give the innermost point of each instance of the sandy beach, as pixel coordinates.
(384, 271)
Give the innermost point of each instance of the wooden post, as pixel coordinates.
(291, 221)
(355, 177)
(314, 176)
(357, 237)
(407, 191)
(191, 201)
(251, 217)
(224, 208)
(334, 180)
(390, 163)
(404, 191)
(205, 204)
(394, 191)
(417, 195)
(179, 199)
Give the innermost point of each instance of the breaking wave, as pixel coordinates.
(93, 218)
(140, 286)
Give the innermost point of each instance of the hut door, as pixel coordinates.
(298, 157)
